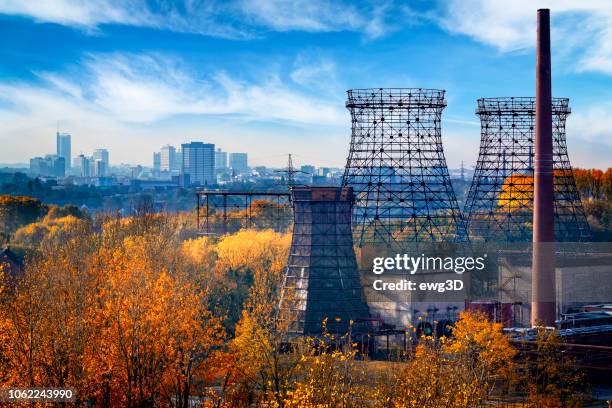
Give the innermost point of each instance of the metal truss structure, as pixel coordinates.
(397, 168)
(499, 206)
(322, 279)
(222, 212)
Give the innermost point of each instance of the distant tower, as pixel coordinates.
(499, 206)
(63, 143)
(220, 160)
(156, 163)
(169, 160)
(101, 155)
(239, 163)
(397, 168)
(198, 163)
(322, 279)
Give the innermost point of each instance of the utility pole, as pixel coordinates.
(290, 172)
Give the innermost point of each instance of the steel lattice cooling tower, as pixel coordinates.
(322, 279)
(397, 168)
(499, 206)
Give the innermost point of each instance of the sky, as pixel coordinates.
(269, 77)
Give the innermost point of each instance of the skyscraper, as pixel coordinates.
(156, 162)
(169, 159)
(100, 168)
(64, 148)
(198, 161)
(102, 155)
(84, 165)
(239, 163)
(220, 160)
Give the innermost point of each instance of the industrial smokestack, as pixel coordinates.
(543, 309)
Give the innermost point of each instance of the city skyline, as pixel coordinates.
(269, 80)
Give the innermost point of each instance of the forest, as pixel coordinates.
(141, 311)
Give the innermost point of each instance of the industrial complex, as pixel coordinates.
(397, 198)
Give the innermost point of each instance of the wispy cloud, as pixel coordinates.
(121, 100)
(582, 28)
(237, 19)
(148, 87)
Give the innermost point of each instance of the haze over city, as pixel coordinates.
(269, 78)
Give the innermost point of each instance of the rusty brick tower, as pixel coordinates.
(397, 168)
(322, 279)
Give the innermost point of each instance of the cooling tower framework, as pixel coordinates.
(322, 278)
(397, 168)
(499, 205)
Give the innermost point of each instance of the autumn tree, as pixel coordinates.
(260, 359)
(45, 315)
(329, 377)
(16, 211)
(482, 355)
(549, 376)
(459, 371)
(157, 328)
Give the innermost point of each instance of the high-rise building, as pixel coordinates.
(83, 165)
(220, 160)
(38, 166)
(198, 162)
(239, 163)
(100, 169)
(169, 159)
(64, 148)
(102, 155)
(50, 165)
(156, 162)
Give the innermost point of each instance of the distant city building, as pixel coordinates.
(156, 162)
(319, 181)
(261, 170)
(169, 159)
(198, 163)
(38, 166)
(83, 165)
(100, 169)
(324, 171)
(57, 165)
(307, 168)
(136, 171)
(64, 148)
(102, 155)
(239, 163)
(50, 165)
(220, 160)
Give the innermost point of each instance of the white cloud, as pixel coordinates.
(148, 88)
(124, 100)
(318, 15)
(71, 12)
(314, 70)
(200, 17)
(578, 26)
(236, 19)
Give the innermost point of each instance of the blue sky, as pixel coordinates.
(269, 76)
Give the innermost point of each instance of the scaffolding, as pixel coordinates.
(499, 206)
(397, 168)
